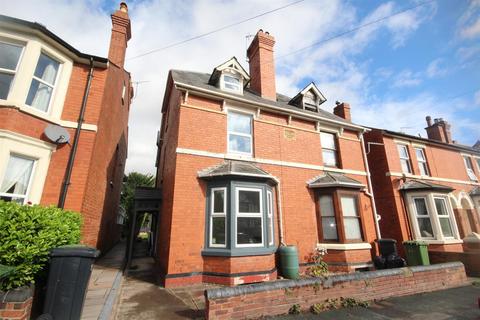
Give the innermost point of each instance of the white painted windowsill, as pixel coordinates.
(345, 246)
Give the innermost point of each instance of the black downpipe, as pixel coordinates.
(73, 152)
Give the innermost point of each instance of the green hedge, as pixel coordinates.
(27, 234)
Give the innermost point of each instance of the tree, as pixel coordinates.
(130, 182)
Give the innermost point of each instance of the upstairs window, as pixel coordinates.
(239, 131)
(9, 57)
(43, 83)
(422, 161)
(232, 83)
(469, 167)
(16, 181)
(404, 158)
(329, 149)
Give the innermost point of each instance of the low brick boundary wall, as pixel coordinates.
(471, 260)
(277, 297)
(16, 304)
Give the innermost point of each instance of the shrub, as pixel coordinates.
(295, 309)
(27, 234)
(320, 267)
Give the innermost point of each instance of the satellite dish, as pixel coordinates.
(57, 134)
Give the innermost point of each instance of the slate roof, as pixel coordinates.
(200, 80)
(414, 185)
(329, 179)
(41, 28)
(457, 146)
(234, 168)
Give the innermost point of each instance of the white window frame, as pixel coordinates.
(447, 215)
(217, 214)
(335, 150)
(30, 179)
(271, 239)
(239, 214)
(19, 62)
(27, 147)
(54, 86)
(231, 75)
(407, 159)
(422, 162)
(470, 172)
(438, 237)
(418, 216)
(33, 45)
(243, 113)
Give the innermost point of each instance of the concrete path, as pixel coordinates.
(105, 278)
(459, 303)
(142, 298)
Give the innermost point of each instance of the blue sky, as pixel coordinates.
(393, 73)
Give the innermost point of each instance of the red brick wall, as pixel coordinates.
(442, 163)
(259, 300)
(471, 260)
(16, 310)
(202, 125)
(105, 174)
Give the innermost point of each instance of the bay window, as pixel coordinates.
(9, 58)
(240, 218)
(43, 83)
(339, 213)
(239, 133)
(16, 180)
(431, 216)
(329, 149)
(404, 158)
(218, 217)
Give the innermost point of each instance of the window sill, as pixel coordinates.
(238, 252)
(345, 246)
(447, 241)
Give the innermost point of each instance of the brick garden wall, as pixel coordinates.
(16, 304)
(274, 298)
(471, 260)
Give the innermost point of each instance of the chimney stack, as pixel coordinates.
(438, 130)
(262, 66)
(121, 33)
(342, 110)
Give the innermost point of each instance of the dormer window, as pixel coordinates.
(310, 98)
(229, 76)
(231, 83)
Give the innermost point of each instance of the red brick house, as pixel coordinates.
(425, 188)
(45, 82)
(244, 169)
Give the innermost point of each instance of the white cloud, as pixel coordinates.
(407, 78)
(332, 65)
(435, 69)
(469, 21)
(476, 98)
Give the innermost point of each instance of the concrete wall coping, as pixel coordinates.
(326, 282)
(21, 294)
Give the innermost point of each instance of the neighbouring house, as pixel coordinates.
(49, 89)
(425, 188)
(244, 169)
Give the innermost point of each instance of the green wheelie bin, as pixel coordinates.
(417, 253)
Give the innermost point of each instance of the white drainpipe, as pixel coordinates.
(370, 189)
(280, 215)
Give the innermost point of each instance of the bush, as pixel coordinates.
(27, 234)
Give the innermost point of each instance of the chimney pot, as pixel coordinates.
(429, 121)
(123, 7)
